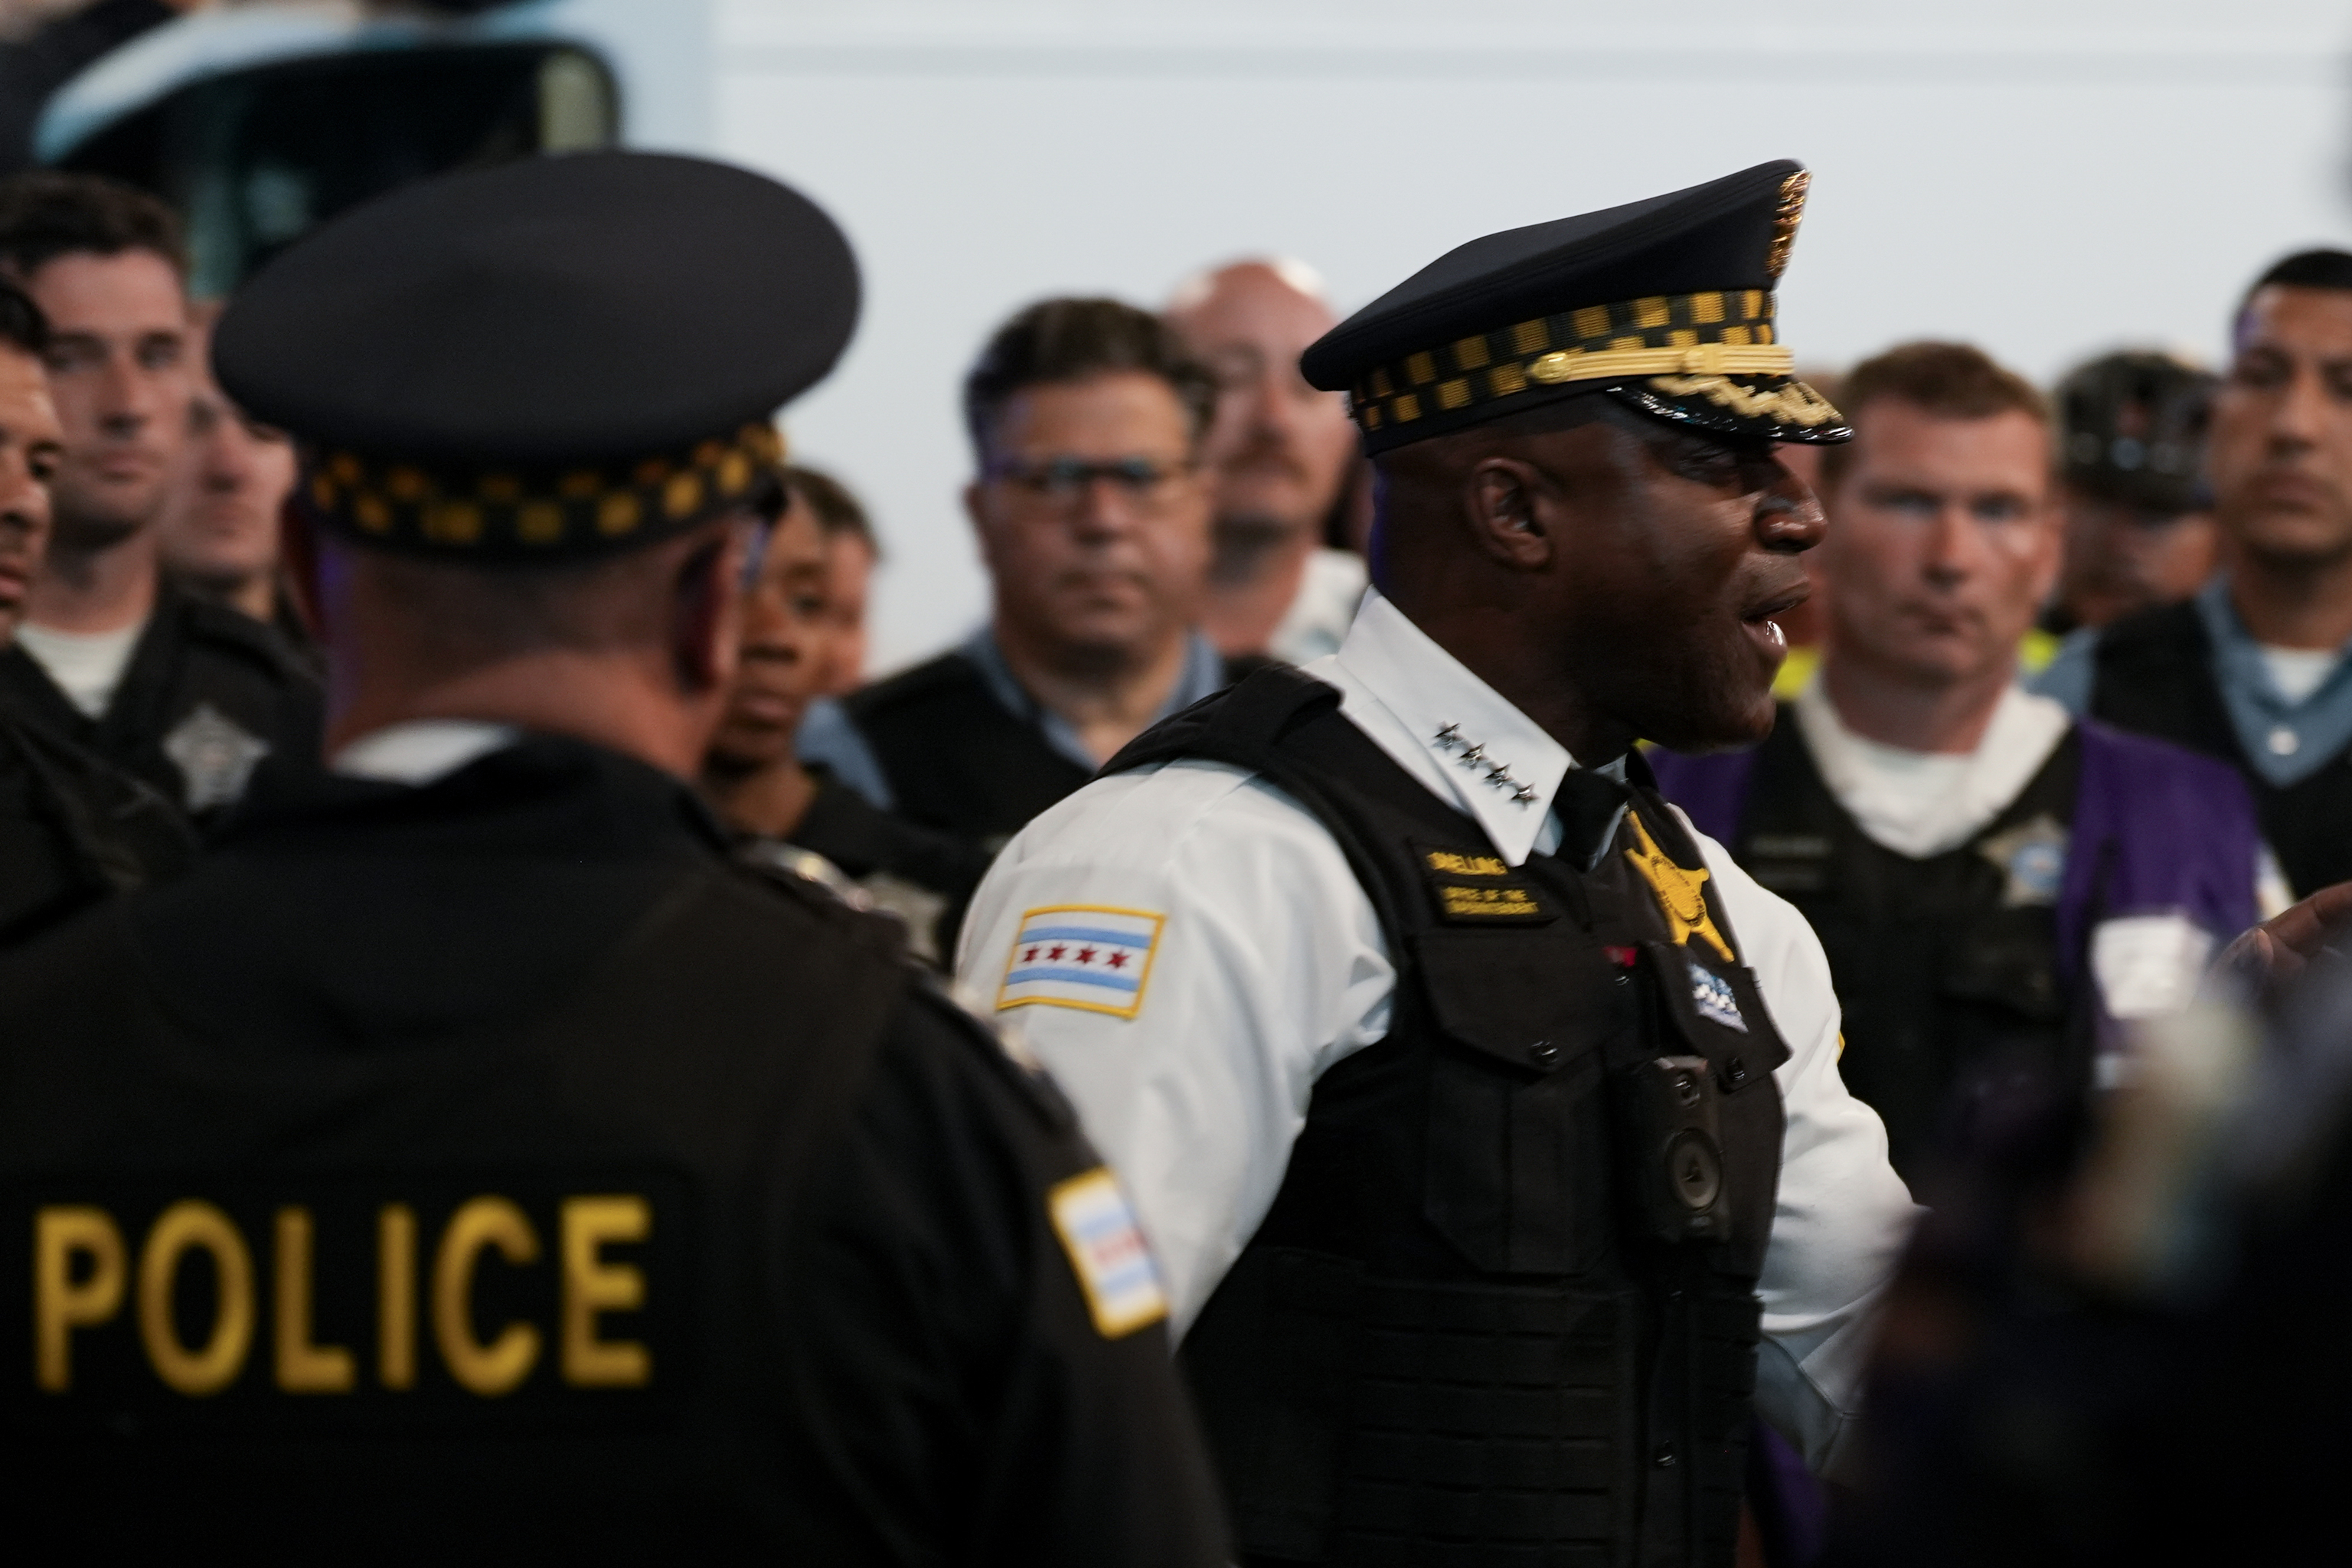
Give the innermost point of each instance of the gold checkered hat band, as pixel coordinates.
(518, 514)
(1703, 337)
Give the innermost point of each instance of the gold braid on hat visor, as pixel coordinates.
(519, 513)
(1700, 340)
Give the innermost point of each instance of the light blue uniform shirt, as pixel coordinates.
(2286, 741)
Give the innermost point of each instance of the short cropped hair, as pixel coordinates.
(49, 213)
(1060, 341)
(1953, 380)
(2303, 269)
(22, 325)
(838, 513)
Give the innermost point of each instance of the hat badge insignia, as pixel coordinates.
(1784, 223)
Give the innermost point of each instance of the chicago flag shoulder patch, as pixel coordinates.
(1114, 1266)
(1086, 956)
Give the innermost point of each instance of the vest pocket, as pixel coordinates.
(1360, 1419)
(1517, 1170)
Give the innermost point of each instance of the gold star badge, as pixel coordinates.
(1681, 893)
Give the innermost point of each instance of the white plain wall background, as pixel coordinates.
(2048, 180)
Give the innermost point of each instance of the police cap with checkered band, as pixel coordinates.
(1665, 304)
(557, 357)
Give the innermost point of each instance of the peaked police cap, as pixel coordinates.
(553, 357)
(1665, 304)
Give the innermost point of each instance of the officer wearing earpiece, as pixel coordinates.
(1486, 1117)
(469, 1161)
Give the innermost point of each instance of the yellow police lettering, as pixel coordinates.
(62, 1303)
(593, 1286)
(193, 1225)
(1489, 903)
(500, 1366)
(1465, 864)
(395, 1296)
(303, 1367)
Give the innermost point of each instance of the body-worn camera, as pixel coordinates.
(1673, 1149)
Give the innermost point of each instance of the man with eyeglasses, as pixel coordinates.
(1998, 886)
(1093, 517)
(2253, 669)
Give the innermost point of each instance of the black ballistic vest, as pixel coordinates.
(1947, 968)
(74, 830)
(514, 1294)
(2153, 675)
(957, 760)
(1459, 1336)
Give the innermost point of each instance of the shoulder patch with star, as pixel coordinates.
(1090, 957)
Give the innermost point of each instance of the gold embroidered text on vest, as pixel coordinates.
(102, 1274)
(1460, 865)
(1488, 903)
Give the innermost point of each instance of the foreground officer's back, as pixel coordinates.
(468, 1159)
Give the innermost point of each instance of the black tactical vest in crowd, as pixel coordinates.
(208, 692)
(2153, 675)
(515, 1295)
(1947, 968)
(1502, 1310)
(956, 760)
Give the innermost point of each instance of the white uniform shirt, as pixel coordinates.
(1248, 960)
(1331, 590)
(1921, 804)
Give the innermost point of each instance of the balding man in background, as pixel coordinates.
(1279, 454)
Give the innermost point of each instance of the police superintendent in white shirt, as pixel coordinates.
(1583, 531)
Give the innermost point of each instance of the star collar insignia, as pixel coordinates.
(1473, 755)
(1681, 892)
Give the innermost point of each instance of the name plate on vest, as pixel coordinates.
(1472, 887)
(540, 1296)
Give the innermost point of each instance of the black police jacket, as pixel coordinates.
(1502, 1310)
(493, 1170)
(74, 830)
(925, 877)
(208, 693)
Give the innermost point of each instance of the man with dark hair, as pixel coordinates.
(613, 1201)
(793, 815)
(1279, 454)
(1487, 1120)
(72, 829)
(2253, 670)
(2140, 523)
(184, 694)
(1997, 886)
(1085, 418)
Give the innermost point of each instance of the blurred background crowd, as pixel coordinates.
(2095, 476)
(1155, 500)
